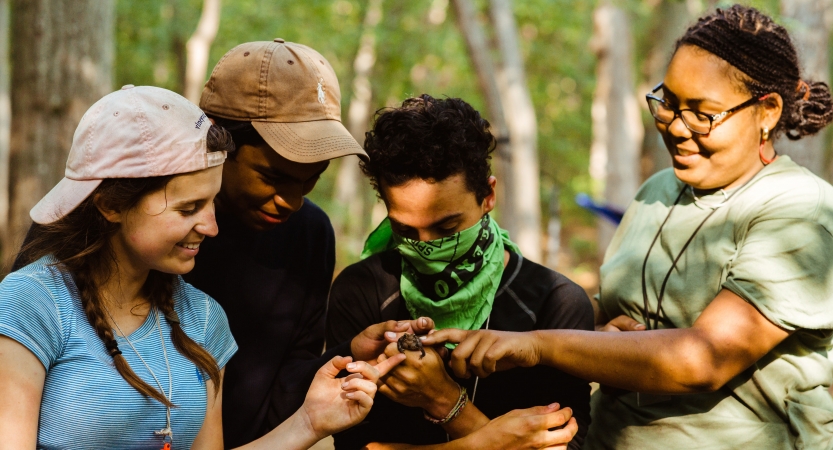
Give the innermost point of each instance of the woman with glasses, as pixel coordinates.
(717, 290)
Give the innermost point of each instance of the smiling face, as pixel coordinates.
(727, 156)
(262, 188)
(164, 230)
(424, 210)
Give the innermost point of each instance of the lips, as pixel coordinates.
(272, 218)
(686, 157)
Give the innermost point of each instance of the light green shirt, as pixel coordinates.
(771, 245)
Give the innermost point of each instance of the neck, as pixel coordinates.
(121, 290)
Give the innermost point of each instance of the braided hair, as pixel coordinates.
(80, 242)
(760, 48)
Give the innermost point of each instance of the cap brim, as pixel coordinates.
(62, 199)
(309, 142)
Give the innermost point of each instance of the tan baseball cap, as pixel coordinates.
(290, 94)
(136, 132)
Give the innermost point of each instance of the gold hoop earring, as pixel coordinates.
(765, 134)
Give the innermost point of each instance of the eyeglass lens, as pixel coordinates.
(694, 121)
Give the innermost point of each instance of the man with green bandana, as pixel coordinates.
(440, 254)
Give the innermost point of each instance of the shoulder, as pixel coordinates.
(790, 191)
(660, 186)
(310, 217)
(40, 282)
(373, 277)
(559, 302)
(196, 309)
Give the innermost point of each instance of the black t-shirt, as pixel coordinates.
(530, 297)
(273, 286)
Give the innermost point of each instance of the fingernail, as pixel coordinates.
(423, 322)
(640, 327)
(351, 366)
(344, 385)
(349, 395)
(553, 406)
(399, 323)
(422, 338)
(390, 334)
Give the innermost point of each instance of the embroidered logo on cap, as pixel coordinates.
(321, 90)
(199, 122)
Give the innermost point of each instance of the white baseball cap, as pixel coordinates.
(136, 132)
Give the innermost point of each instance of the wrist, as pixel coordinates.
(440, 405)
(304, 429)
(537, 345)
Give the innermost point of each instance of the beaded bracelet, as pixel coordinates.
(455, 411)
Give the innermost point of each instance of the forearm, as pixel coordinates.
(295, 433)
(458, 444)
(674, 361)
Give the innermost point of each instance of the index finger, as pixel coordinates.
(385, 366)
(452, 335)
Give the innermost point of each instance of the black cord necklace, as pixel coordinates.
(645, 312)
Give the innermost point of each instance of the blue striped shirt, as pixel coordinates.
(86, 403)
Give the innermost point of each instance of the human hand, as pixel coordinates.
(524, 429)
(483, 352)
(622, 323)
(332, 404)
(371, 342)
(420, 382)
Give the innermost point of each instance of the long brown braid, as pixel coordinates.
(80, 242)
(753, 43)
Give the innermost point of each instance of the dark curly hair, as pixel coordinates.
(430, 139)
(760, 48)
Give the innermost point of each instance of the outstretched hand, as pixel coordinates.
(524, 429)
(483, 352)
(335, 404)
(371, 342)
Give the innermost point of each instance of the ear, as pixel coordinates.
(770, 110)
(111, 215)
(489, 201)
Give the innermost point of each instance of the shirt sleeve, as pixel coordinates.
(353, 303)
(29, 315)
(785, 269)
(218, 339)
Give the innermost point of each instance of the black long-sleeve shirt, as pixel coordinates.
(530, 297)
(273, 286)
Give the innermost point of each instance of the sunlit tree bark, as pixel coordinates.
(197, 48)
(62, 57)
(617, 125)
(522, 188)
(350, 195)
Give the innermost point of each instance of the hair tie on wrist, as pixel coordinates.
(172, 317)
(112, 348)
(806, 87)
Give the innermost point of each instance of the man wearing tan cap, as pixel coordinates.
(271, 265)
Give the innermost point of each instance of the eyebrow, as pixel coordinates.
(435, 224)
(691, 101)
(268, 169)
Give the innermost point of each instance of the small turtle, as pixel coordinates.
(410, 342)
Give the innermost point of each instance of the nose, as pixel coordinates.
(207, 226)
(677, 127)
(290, 199)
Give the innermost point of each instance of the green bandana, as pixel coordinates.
(452, 280)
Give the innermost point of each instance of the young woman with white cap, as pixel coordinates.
(102, 345)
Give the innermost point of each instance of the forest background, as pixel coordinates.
(563, 82)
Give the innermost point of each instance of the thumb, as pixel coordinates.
(334, 366)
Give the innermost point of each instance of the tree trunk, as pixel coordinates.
(484, 67)
(198, 46)
(350, 195)
(62, 58)
(522, 189)
(5, 122)
(809, 24)
(617, 125)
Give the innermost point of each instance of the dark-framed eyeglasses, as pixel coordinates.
(697, 122)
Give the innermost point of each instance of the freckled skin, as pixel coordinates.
(410, 342)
